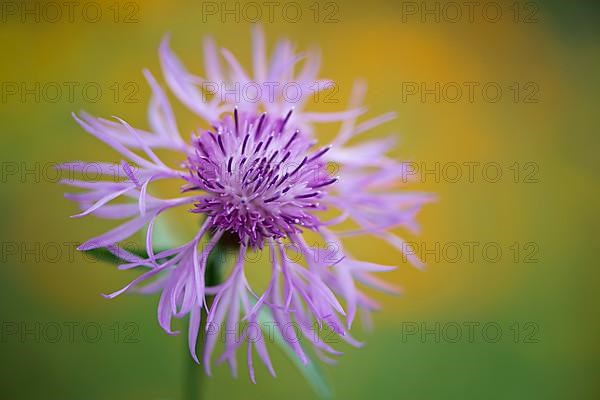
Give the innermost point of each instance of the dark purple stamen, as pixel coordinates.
(307, 196)
(283, 178)
(285, 157)
(329, 182)
(268, 142)
(270, 199)
(220, 140)
(320, 153)
(237, 124)
(219, 185)
(273, 156)
(245, 142)
(202, 148)
(291, 140)
(299, 166)
(287, 117)
(260, 124)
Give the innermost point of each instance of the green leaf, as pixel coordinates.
(164, 238)
(312, 371)
(166, 234)
(103, 254)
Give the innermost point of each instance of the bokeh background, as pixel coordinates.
(552, 46)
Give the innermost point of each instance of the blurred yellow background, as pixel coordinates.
(543, 55)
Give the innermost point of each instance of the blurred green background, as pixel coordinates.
(550, 49)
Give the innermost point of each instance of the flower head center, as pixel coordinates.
(260, 178)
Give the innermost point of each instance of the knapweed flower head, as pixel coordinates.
(251, 191)
(257, 180)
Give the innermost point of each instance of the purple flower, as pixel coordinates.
(258, 181)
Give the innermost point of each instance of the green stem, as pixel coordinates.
(195, 377)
